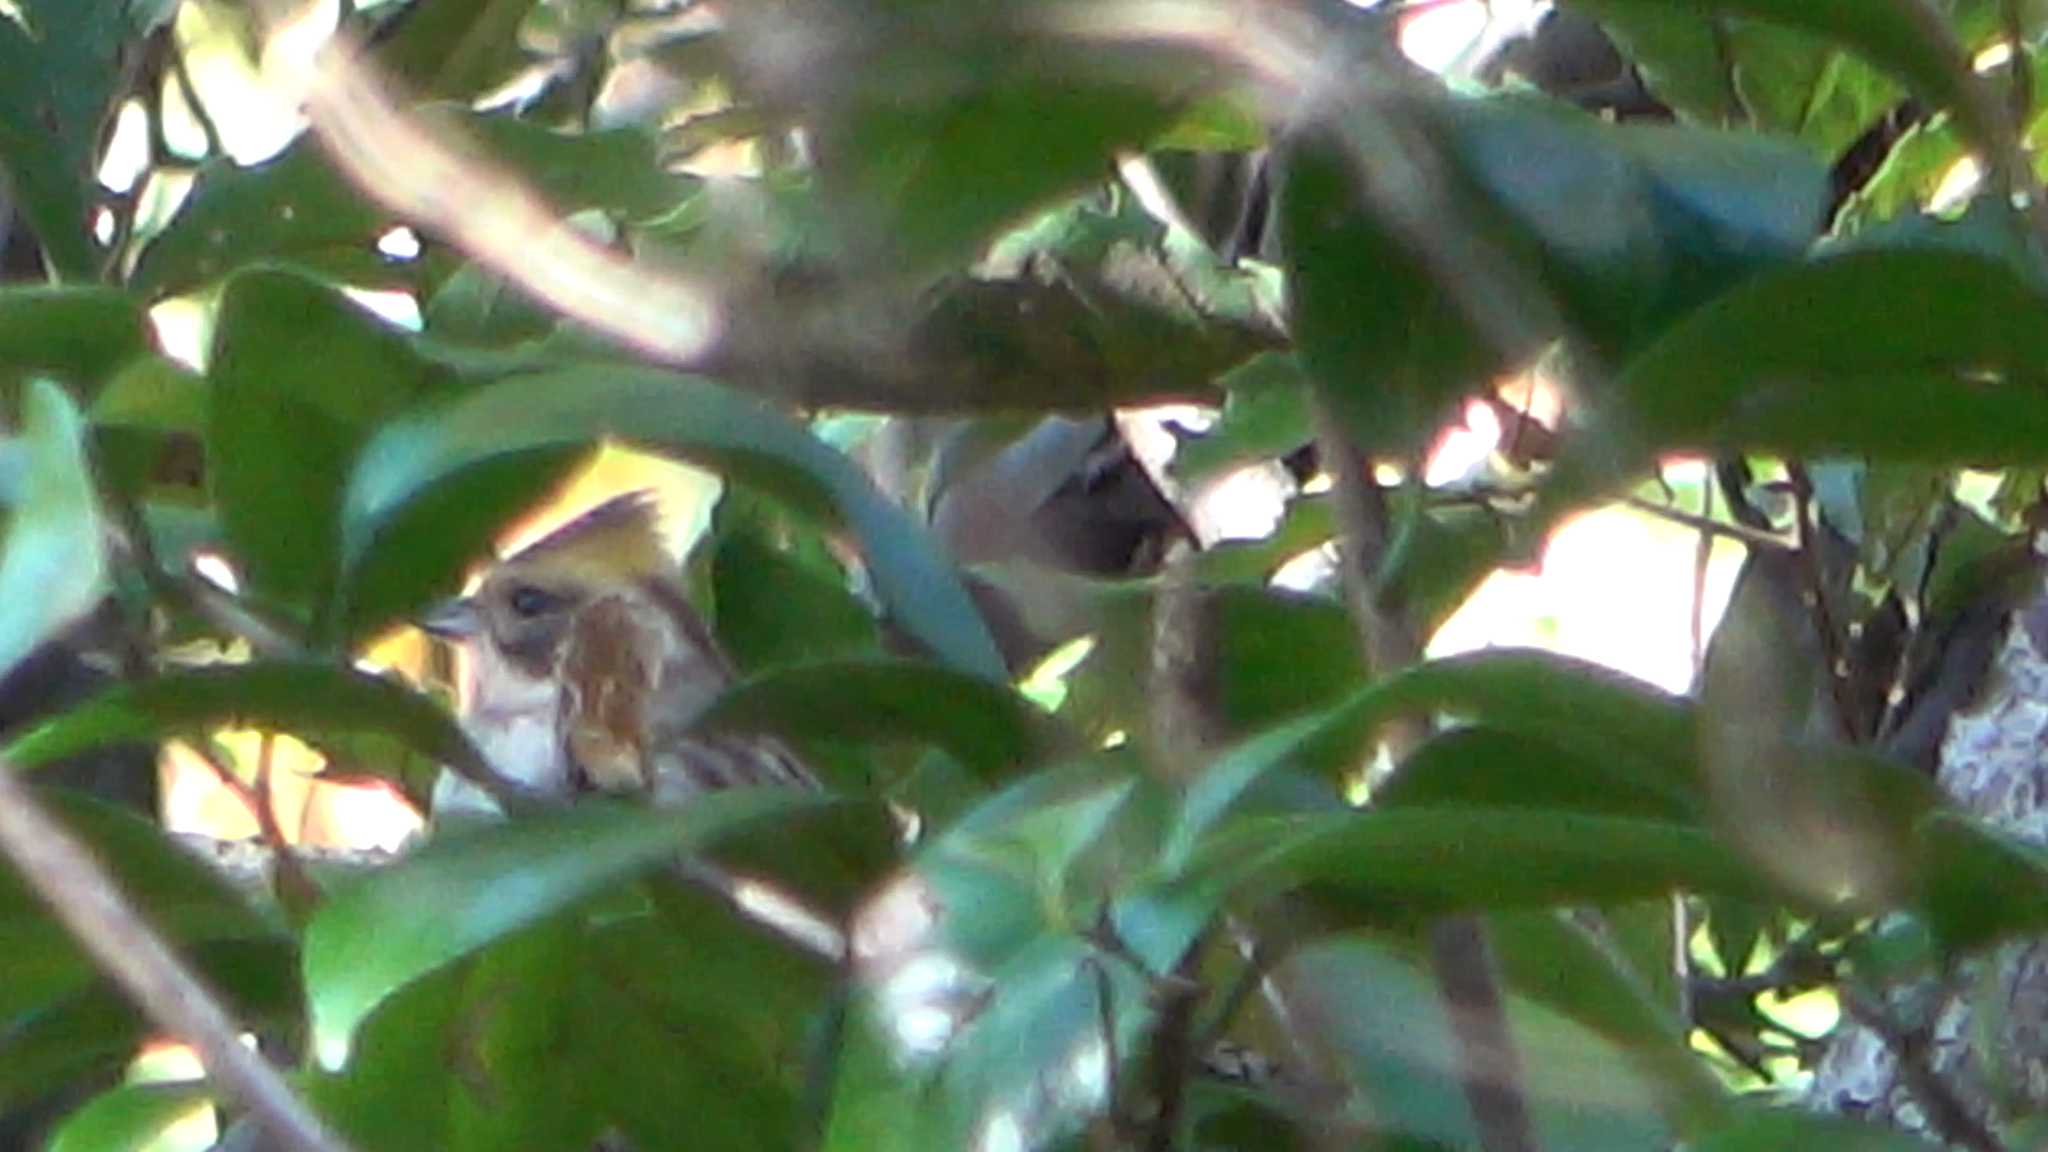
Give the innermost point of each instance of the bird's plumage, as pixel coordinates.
(588, 669)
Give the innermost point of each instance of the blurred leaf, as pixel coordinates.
(988, 728)
(131, 1118)
(1768, 1130)
(459, 894)
(1393, 1040)
(52, 570)
(685, 415)
(1549, 960)
(1978, 885)
(317, 701)
(1790, 363)
(1403, 866)
(939, 176)
(301, 376)
(779, 606)
(1266, 415)
(1482, 767)
(97, 1028)
(453, 49)
(188, 901)
(298, 208)
(1910, 42)
(60, 62)
(1627, 226)
(153, 394)
(79, 336)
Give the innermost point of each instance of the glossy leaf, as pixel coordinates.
(1405, 865)
(301, 376)
(990, 729)
(684, 415)
(52, 570)
(459, 50)
(388, 929)
(1978, 885)
(1791, 363)
(317, 701)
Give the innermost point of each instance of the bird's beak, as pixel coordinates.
(456, 618)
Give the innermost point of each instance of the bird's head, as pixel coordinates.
(523, 607)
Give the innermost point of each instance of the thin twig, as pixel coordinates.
(83, 896)
(1708, 526)
(1812, 565)
(1462, 962)
(188, 91)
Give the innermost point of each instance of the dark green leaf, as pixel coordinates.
(775, 606)
(318, 701)
(78, 336)
(462, 893)
(987, 727)
(1406, 865)
(1977, 885)
(1483, 767)
(298, 208)
(52, 570)
(1790, 362)
(686, 415)
(60, 62)
(1550, 960)
(187, 899)
(1769, 1130)
(454, 49)
(940, 177)
(1393, 1039)
(301, 376)
(1266, 415)
(98, 1029)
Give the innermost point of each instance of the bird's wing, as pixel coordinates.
(610, 670)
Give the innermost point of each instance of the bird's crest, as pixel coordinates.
(618, 539)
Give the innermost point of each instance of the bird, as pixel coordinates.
(587, 667)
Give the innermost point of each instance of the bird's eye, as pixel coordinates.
(528, 601)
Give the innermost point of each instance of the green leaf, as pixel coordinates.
(301, 376)
(1790, 363)
(778, 597)
(97, 1028)
(940, 176)
(1401, 866)
(1910, 41)
(60, 63)
(1482, 767)
(1550, 960)
(52, 570)
(130, 1118)
(1393, 1040)
(297, 208)
(461, 893)
(1768, 1130)
(685, 415)
(1627, 227)
(1978, 886)
(78, 336)
(453, 49)
(986, 727)
(187, 899)
(1266, 415)
(318, 701)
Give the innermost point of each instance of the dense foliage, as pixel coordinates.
(1222, 885)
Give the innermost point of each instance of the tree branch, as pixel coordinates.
(82, 895)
